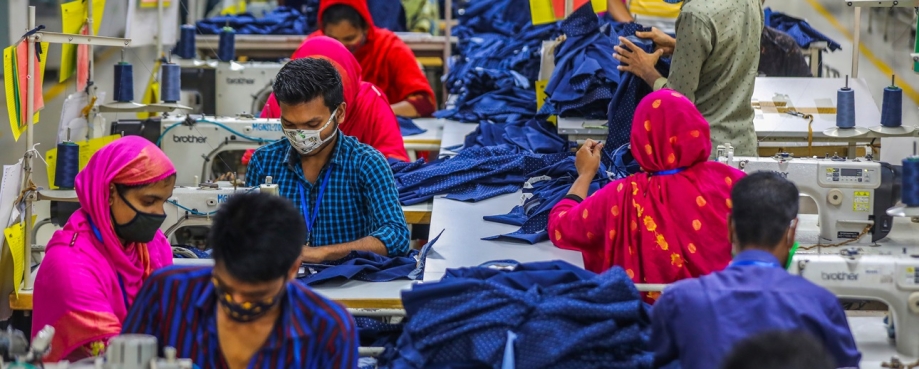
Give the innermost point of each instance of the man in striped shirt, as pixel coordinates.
(247, 311)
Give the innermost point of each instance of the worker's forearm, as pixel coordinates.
(404, 109)
(581, 186)
(618, 11)
(369, 243)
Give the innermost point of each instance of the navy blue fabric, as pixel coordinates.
(372, 332)
(585, 72)
(532, 135)
(281, 21)
(194, 250)
(408, 127)
(629, 93)
(518, 51)
(388, 14)
(563, 317)
(493, 95)
(798, 29)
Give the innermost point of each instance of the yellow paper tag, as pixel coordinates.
(541, 98)
(541, 11)
(73, 17)
(153, 3)
(87, 149)
(152, 92)
(9, 56)
(15, 241)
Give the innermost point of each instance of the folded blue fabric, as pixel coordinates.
(281, 21)
(408, 127)
(798, 29)
(493, 95)
(532, 135)
(562, 316)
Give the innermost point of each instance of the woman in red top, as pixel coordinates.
(668, 222)
(387, 61)
(368, 116)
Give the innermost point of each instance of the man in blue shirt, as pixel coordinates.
(697, 321)
(247, 311)
(345, 189)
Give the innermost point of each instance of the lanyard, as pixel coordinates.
(304, 205)
(755, 263)
(124, 292)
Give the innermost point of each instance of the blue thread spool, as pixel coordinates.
(124, 82)
(67, 165)
(186, 47)
(171, 78)
(845, 108)
(892, 107)
(910, 190)
(226, 47)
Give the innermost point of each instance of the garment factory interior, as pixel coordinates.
(510, 184)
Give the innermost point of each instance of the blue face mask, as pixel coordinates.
(247, 311)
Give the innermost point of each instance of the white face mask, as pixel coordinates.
(306, 141)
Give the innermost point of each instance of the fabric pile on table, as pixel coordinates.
(798, 29)
(532, 135)
(490, 95)
(281, 21)
(537, 315)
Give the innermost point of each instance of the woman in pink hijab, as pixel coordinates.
(94, 267)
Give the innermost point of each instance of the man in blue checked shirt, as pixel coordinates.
(247, 311)
(344, 189)
(697, 322)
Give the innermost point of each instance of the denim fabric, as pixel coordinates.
(408, 127)
(532, 135)
(798, 29)
(563, 317)
(281, 21)
(493, 95)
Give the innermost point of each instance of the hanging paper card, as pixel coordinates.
(22, 52)
(16, 242)
(9, 84)
(153, 3)
(548, 11)
(73, 18)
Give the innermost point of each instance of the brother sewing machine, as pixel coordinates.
(190, 210)
(852, 196)
(207, 147)
(227, 89)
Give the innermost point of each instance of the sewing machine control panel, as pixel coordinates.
(849, 174)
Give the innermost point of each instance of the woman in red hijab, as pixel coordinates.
(387, 61)
(666, 223)
(368, 116)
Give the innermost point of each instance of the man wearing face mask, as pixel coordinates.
(754, 294)
(247, 311)
(345, 189)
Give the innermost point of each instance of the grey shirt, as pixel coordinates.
(715, 65)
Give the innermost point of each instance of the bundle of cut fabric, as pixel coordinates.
(493, 95)
(798, 29)
(532, 135)
(281, 21)
(585, 72)
(537, 315)
(519, 52)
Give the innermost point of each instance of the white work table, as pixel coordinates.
(430, 139)
(870, 335)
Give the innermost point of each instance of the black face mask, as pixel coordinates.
(142, 228)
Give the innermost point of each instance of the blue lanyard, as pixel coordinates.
(758, 263)
(668, 172)
(124, 292)
(304, 205)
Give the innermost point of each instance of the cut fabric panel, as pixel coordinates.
(408, 127)
(798, 29)
(280, 21)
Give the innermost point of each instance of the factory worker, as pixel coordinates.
(649, 13)
(248, 310)
(754, 294)
(94, 267)
(666, 223)
(387, 62)
(714, 63)
(345, 189)
(369, 118)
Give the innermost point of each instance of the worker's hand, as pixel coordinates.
(662, 41)
(636, 61)
(313, 255)
(587, 160)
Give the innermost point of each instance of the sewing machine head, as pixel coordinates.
(893, 280)
(189, 212)
(852, 196)
(204, 148)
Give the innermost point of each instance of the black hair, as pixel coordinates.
(779, 350)
(302, 80)
(125, 188)
(257, 237)
(764, 204)
(340, 12)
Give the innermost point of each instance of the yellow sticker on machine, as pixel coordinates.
(861, 201)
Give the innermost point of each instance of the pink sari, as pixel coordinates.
(78, 288)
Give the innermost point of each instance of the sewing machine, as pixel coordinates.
(852, 196)
(189, 212)
(227, 89)
(893, 280)
(203, 148)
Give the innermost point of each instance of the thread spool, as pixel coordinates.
(910, 189)
(845, 107)
(226, 47)
(124, 82)
(892, 107)
(268, 187)
(171, 82)
(186, 47)
(67, 165)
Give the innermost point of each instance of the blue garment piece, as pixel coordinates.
(408, 127)
(493, 95)
(194, 250)
(741, 301)
(563, 317)
(798, 29)
(372, 332)
(585, 72)
(516, 217)
(631, 90)
(532, 135)
(280, 21)
(388, 14)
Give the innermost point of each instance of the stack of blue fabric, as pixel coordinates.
(561, 317)
(798, 29)
(532, 135)
(585, 74)
(281, 21)
(498, 96)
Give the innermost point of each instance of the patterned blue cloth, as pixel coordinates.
(798, 29)
(519, 52)
(493, 95)
(281, 21)
(563, 317)
(532, 135)
(408, 127)
(369, 267)
(361, 199)
(388, 14)
(585, 72)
